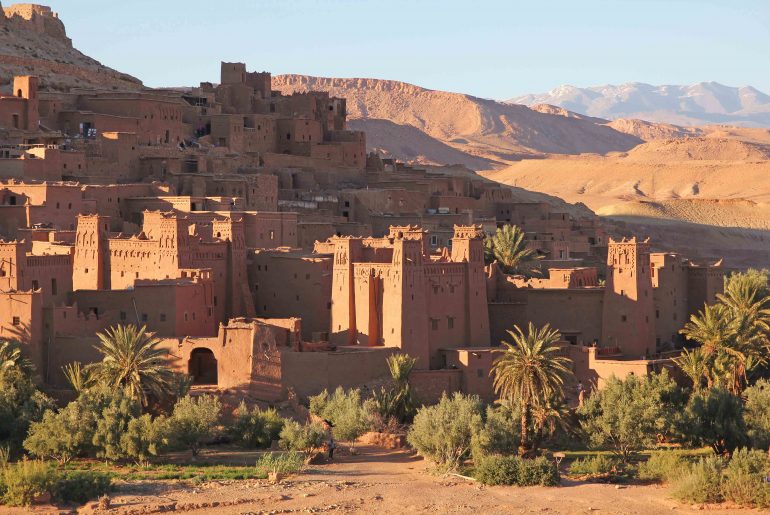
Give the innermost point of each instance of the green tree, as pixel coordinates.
(112, 423)
(193, 421)
(133, 360)
(397, 401)
(255, 427)
(307, 438)
(714, 417)
(21, 403)
(508, 247)
(695, 366)
(344, 410)
(757, 414)
(529, 373)
(144, 437)
(444, 432)
(629, 414)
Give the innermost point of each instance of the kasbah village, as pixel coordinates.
(229, 247)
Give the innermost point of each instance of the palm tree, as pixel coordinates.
(695, 364)
(11, 357)
(530, 372)
(133, 360)
(79, 377)
(509, 248)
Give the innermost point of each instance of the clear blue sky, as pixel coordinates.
(494, 49)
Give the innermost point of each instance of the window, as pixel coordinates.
(54, 289)
(657, 313)
(623, 318)
(144, 317)
(35, 285)
(272, 234)
(215, 300)
(434, 324)
(450, 322)
(434, 240)
(16, 321)
(123, 316)
(162, 317)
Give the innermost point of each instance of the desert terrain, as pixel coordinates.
(388, 482)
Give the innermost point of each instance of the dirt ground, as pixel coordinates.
(383, 482)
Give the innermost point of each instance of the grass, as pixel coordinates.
(183, 471)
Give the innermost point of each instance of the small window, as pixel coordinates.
(162, 317)
(450, 322)
(16, 321)
(434, 324)
(479, 372)
(623, 318)
(123, 316)
(35, 285)
(144, 317)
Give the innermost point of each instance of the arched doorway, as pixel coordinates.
(202, 367)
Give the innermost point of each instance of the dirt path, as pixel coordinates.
(388, 482)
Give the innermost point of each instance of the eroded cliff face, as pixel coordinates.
(34, 41)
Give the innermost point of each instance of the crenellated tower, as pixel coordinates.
(91, 253)
(468, 247)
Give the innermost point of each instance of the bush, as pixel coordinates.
(255, 428)
(744, 482)
(81, 486)
(513, 470)
(21, 403)
(662, 466)
(192, 422)
(23, 481)
(444, 432)
(60, 436)
(144, 437)
(281, 462)
(306, 438)
(714, 417)
(498, 435)
(629, 414)
(344, 410)
(757, 414)
(599, 464)
(112, 424)
(701, 482)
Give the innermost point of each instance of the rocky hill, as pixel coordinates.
(33, 40)
(479, 128)
(697, 104)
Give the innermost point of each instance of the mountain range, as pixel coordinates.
(696, 104)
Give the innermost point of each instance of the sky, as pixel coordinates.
(492, 49)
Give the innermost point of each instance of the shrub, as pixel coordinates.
(599, 464)
(513, 470)
(662, 466)
(60, 436)
(498, 434)
(497, 470)
(281, 462)
(757, 414)
(714, 417)
(306, 438)
(21, 403)
(344, 410)
(25, 480)
(443, 433)
(701, 482)
(112, 423)
(255, 428)
(744, 482)
(144, 437)
(629, 414)
(192, 422)
(80, 486)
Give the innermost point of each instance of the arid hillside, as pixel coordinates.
(33, 41)
(709, 195)
(486, 129)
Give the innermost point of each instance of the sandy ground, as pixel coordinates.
(382, 481)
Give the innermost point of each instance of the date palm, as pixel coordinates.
(695, 365)
(509, 248)
(530, 372)
(133, 360)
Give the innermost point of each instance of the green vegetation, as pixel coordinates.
(628, 415)
(281, 462)
(193, 421)
(444, 433)
(594, 465)
(22, 482)
(513, 470)
(530, 373)
(508, 247)
(396, 402)
(255, 428)
(344, 410)
(305, 438)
